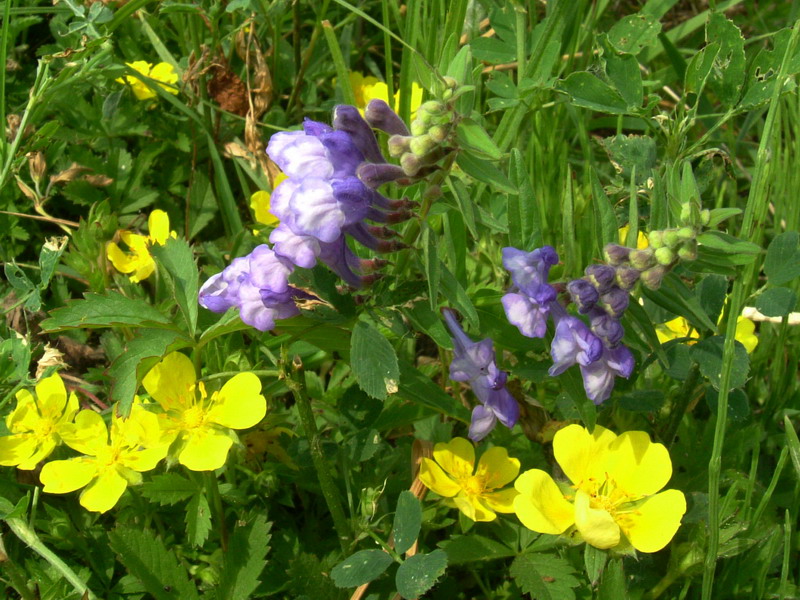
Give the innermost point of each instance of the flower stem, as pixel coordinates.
(212, 488)
(294, 381)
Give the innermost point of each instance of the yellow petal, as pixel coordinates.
(497, 468)
(62, 476)
(165, 73)
(260, 203)
(239, 404)
(51, 397)
(502, 501)
(416, 98)
(103, 493)
(436, 480)
(596, 525)
(43, 449)
(474, 508)
(654, 523)
(205, 450)
(456, 457)
(72, 408)
(540, 505)
(581, 454)
(88, 435)
(170, 382)
(122, 262)
(143, 460)
(24, 417)
(140, 66)
(376, 91)
(15, 449)
(638, 466)
(745, 333)
(158, 224)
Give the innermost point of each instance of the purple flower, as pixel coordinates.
(583, 294)
(529, 271)
(529, 316)
(474, 362)
(606, 327)
(257, 285)
(572, 344)
(615, 301)
(599, 376)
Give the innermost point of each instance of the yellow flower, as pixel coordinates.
(371, 88)
(259, 202)
(108, 466)
(641, 239)
(680, 328)
(137, 259)
(36, 423)
(162, 72)
(452, 477)
(201, 424)
(612, 500)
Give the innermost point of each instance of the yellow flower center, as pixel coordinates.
(43, 429)
(473, 485)
(193, 417)
(607, 496)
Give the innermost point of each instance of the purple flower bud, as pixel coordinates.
(652, 277)
(380, 116)
(583, 294)
(642, 259)
(615, 301)
(615, 254)
(606, 327)
(375, 175)
(572, 344)
(346, 118)
(598, 376)
(601, 277)
(627, 277)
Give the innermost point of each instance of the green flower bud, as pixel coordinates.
(433, 108)
(656, 239)
(686, 233)
(671, 238)
(438, 133)
(664, 256)
(421, 145)
(688, 251)
(447, 94)
(686, 212)
(398, 144)
(419, 127)
(705, 216)
(410, 164)
(652, 277)
(642, 259)
(450, 82)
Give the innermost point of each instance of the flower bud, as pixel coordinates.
(688, 251)
(421, 145)
(652, 277)
(438, 133)
(615, 301)
(419, 127)
(686, 233)
(664, 256)
(686, 212)
(450, 82)
(375, 175)
(37, 165)
(583, 294)
(671, 238)
(606, 327)
(627, 277)
(380, 116)
(656, 239)
(398, 144)
(410, 164)
(447, 94)
(616, 254)
(601, 277)
(705, 217)
(432, 107)
(642, 259)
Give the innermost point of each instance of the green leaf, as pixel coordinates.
(612, 584)
(783, 258)
(407, 521)
(642, 400)
(147, 559)
(624, 73)
(793, 443)
(605, 219)
(544, 577)
(728, 244)
(198, 520)
(629, 151)
(485, 172)
(430, 256)
(473, 136)
(738, 404)
(105, 310)
(776, 302)
(49, 256)
(140, 355)
(493, 51)
(708, 356)
(373, 361)
(718, 215)
(360, 568)
(632, 33)
(711, 293)
(727, 76)
(419, 573)
(168, 489)
(458, 298)
(177, 259)
(699, 68)
(524, 220)
(594, 560)
(474, 548)
(245, 560)
(678, 299)
(590, 92)
(15, 357)
(420, 389)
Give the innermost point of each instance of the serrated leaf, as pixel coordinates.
(708, 356)
(473, 548)
(407, 521)
(49, 256)
(177, 259)
(544, 577)
(157, 568)
(776, 302)
(419, 573)
(474, 137)
(632, 33)
(198, 520)
(373, 361)
(738, 404)
(783, 258)
(105, 310)
(589, 91)
(594, 560)
(245, 560)
(168, 489)
(360, 568)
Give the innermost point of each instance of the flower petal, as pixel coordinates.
(502, 501)
(474, 508)
(497, 467)
(436, 480)
(43, 450)
(103, 493)
(15, 449)
(239, 404)
(62, 476)
(170, 382)
(638, 466)
(24, 417)
(124, 263)
(205, 450)
(158, 224)
(51, 396)
(540, 505)
(88, 435)
(654, 523)
(456, 457)
(596, 525)
(582, 455)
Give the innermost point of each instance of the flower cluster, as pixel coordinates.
(597, 351)
(185, 423)
(474, 362)
(163, 72)
(613, 500)
(137, 260)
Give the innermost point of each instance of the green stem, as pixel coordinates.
(294, 381)
(680, 406)
(24, 532)
(212, 489)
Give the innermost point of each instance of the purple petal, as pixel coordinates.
(346, 118)
(316, 211)
(213, 294)
(302, 250)
(354, 198)
(483, 421)
(268, 270)
(527, 315)
(299, 155)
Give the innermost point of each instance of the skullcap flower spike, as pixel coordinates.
(614, 498)
(474, 491)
